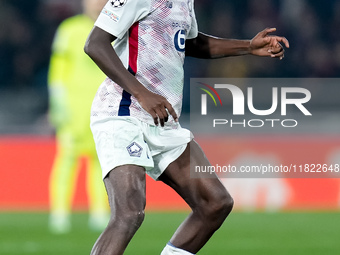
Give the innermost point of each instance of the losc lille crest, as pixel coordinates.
(134, 149)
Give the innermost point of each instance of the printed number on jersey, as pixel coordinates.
(180, 40)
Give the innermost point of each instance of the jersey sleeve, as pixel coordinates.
(118, 16)
(193, 33)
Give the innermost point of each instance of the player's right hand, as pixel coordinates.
(157, 106)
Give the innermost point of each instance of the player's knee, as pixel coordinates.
(133, 218)
(227, 204)
(129, 219)
(218, 206)
(223, 205)
(138, 218)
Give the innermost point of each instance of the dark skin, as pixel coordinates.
(208, 199)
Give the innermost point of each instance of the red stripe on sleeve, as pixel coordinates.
(133, 47)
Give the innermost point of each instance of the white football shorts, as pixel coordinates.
(125, 140)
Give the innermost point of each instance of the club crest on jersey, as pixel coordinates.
(118, 3)
(134, 149)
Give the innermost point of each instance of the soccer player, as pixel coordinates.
(70, 104)
(134, 117)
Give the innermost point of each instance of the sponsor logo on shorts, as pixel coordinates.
(134, 149)
(110, 14)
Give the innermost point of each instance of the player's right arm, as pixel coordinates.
(98, 47)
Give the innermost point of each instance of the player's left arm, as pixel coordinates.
(263, 44)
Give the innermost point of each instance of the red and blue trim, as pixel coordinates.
(133, 48)
(125, 103)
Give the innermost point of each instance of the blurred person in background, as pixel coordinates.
(73, 82)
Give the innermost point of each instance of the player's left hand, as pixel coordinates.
(267, 45)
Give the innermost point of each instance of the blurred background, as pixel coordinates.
(27, 31)
(27, 139)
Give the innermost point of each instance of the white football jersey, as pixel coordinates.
(150, 42)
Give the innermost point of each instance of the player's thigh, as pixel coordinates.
(125, 186)
(201, 188)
